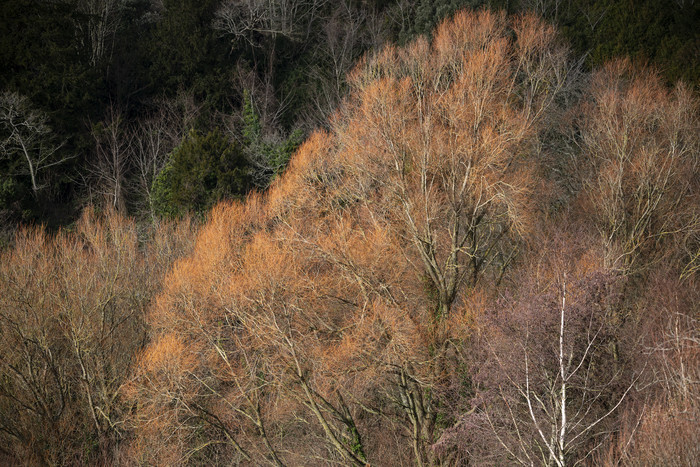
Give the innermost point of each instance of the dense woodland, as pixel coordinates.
(303, 232)
(98, 97)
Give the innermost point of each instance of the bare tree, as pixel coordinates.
(27, 133)
(244, 19)
(238, 360)
(549, 9)
(154, 138)
(441, 128)
(114, 147)
(553, 383)
(345, 35)
(336, 301)
(259, 23)
(642, 153)
(71, 321)
(152, 148)
(98, 25)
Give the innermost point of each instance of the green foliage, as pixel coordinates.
(252, 129)
(268, 155)
(427, 14)
(430, 13)
(660, 32)
(355, 443)
(43, 58)
(201, 171)
(8, 192)
(287, 148)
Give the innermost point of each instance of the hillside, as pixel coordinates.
(489, 256)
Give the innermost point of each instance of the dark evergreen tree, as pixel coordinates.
(201, 171)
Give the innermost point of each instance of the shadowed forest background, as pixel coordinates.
(301, 232)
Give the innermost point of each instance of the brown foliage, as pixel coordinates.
(439, 140)
(340, 317)
(397, 297)
(318, 314)
(71, 321)
(642, 151)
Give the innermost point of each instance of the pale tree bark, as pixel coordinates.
(259, 24)
(288, 18)
(640, 143)
(446, 129)
(344, 36)
(562, 426)
(154, 139)
(28, 135)
(97, 29)
(114, 147)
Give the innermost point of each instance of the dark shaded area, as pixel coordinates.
(78, 60)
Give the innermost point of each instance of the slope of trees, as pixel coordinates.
(395, 295)
(487, 256)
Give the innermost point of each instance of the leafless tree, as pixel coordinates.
(154, 138)
(260, 23)
(27, 133)
(556, 384)
(98, 25)
(152, 147)
(642, 153)
(345, 34)
(439, 127)
(546, 8)
(243, 19)
(71, 321)
(114, 148)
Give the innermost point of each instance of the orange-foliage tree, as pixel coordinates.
(445, 135)
(71, 322)
(316, 324)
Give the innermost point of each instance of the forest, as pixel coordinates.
(363, 232)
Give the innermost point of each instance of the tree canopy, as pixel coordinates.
(486, 251)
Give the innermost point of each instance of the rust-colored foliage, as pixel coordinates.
(438, 140)
(71, 321)
(641, 147)
(316, 320)
(341, 317)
